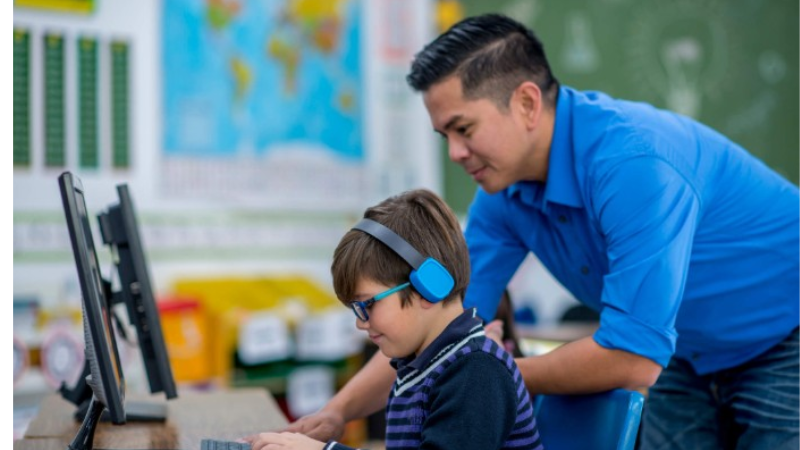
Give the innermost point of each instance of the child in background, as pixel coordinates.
(505, 313)
(404, 270)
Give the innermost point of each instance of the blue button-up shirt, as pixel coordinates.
(684, 242)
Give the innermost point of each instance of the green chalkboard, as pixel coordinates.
(731, 64)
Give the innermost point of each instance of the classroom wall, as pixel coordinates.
(198, 217)
(258, 133)
(41, 247)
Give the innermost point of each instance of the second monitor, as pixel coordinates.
(120, 231)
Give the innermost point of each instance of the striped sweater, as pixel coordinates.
(462, 392)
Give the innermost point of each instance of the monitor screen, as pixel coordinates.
(120, 230)
(106, 378)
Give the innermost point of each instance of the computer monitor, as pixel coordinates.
(120, 231)
(105, 379)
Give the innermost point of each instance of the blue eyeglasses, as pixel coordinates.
(360, 307)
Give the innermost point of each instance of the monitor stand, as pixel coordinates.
(81, 396)
(134, 412)
(85, 437)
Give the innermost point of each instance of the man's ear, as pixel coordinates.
(527, 102)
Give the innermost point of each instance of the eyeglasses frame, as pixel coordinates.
(360, 306)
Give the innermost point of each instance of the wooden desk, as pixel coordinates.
(541, 339)
(192, 417)
(563, 332)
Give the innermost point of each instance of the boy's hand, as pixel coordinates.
(323, 425)
(494, 331)
(285, 440)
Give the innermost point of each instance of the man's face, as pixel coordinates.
(492, 145)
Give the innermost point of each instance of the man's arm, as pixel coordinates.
(364, 394)
(495, 253)
(583, 367)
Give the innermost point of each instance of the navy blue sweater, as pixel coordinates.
(462, 392)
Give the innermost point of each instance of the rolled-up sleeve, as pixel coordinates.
(648, 212)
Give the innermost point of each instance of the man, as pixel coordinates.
(685, 244)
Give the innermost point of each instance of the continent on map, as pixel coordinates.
(220, 13)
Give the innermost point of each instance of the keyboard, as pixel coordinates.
(212, 444)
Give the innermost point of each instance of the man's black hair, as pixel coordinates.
(491, 54)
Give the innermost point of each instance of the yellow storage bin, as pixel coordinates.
(185, 329)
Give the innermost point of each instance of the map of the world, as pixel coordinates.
(255, 77)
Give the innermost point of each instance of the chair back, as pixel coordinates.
(604, 421)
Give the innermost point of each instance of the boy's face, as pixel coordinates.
(492, 146)
(397, 331)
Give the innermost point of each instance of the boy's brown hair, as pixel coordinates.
(425, 221)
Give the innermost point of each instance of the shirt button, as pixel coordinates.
(695, 356)
(562, 218)
(585, 270)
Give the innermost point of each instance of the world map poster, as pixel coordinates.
(262, 101)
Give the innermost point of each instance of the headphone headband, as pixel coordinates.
(392, 240)
(429, 277)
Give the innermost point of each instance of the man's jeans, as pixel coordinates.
(753, 406)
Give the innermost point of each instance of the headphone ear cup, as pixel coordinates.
(432, 280)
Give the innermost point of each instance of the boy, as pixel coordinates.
(454, 387)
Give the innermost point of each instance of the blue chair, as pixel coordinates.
(608, 420)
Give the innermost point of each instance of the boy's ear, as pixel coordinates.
(425, 303)
(417, 298)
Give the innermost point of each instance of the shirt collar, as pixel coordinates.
(562, 184)
(456, 331)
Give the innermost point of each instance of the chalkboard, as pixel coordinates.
(732, 65)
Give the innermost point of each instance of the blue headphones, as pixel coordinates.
(429, 277)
